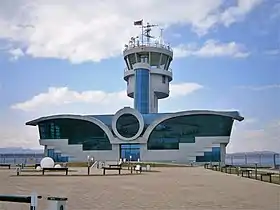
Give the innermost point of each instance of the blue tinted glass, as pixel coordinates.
(169, 133)
(90, 135)
(127, 125)
(130, 150)
(214, 156)
(142, 93)
(125, 146)
(135, 146)
(50, 153)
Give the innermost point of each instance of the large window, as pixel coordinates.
(127, 125)
(163, 79)
(130, 150)
(56, 156)
(214, 156)
(142, 94)
(91, 136)
(168, 134)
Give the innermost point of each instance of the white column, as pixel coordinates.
(223, 154)
(45, 150)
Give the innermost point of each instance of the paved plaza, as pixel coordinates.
(171, 188)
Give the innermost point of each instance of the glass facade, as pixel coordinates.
(213, 156)
(142, 93)
(169, 133)
(127, 125)
(56, 156)
(127, 150)
(90, 135)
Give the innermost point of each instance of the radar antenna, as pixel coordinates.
(146, 30)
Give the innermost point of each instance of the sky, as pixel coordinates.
(66, 57)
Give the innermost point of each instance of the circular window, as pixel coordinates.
(127, 125)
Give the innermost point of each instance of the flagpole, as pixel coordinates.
(142, 35)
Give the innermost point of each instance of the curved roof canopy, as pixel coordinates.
(232, 114)
(74, 117)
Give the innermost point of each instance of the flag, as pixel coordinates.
(138, 23)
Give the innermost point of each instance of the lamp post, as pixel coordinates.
(88, 164)
(256, 170)
(274, 161)
(130, 157)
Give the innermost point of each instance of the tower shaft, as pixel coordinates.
(142, 88)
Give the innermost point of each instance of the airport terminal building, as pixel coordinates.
(140, 132)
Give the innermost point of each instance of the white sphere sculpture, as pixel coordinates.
(57, 166)
(38, 168)
(47, 162)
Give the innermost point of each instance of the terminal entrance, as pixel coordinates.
(130, 150)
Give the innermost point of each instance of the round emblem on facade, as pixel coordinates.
(128, 124)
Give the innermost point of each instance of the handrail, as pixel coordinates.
(18, 198)
(131, 46)
(56, 203)
(126, 69)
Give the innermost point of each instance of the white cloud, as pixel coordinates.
(98, 29)
(212, 48)
(16, 53)
(15, 135)
(260, 88)
(61, 96)
(238, 12)
(182, 89)
(266, 137)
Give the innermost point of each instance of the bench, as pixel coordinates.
(246, 171)
(36, 165)
(206, 165)
(55, 169)
(111, 168)
(269, 174)
(5, 165)
(115, 165)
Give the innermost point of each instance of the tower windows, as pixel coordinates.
(163, 79)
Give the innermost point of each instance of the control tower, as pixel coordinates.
(147, 71)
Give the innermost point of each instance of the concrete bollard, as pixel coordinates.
(18, 170)
(34, 201)
(56, 203)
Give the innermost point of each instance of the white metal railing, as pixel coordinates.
(152, 44)
(126, 69)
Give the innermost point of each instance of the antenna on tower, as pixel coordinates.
(161, 36)
(146, 30)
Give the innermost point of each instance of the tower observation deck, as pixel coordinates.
(147, 71)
